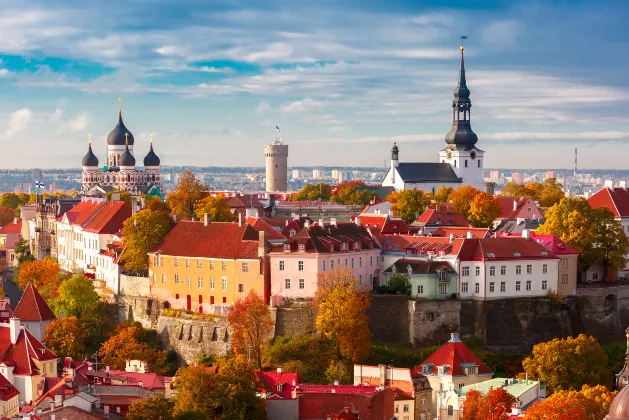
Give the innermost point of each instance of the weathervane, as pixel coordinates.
(463, 38)
(89, 139)
(126, 138)
(151, 137)
(119, 105)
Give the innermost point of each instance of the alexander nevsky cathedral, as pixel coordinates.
(120, 172)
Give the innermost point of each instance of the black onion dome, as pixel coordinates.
(117, 136)
(127, 158)
(90, 158)
(151, 159)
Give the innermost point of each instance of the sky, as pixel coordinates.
(342, 79)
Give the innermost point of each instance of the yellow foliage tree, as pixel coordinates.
(590, 403)
(141, 232)
(483, 210)
(63, 337)
(127, 344)
(442, 195)
(462, 198)
(187, 193)
(342, 313)
(568, 364)
(408, 204)
(217, 207)
(38, 272)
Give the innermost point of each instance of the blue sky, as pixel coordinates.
(343, 79)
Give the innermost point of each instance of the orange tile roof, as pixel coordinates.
(461, 232)
(260, 224)
(456, 355)
(109, 220)
(615, 199)
(12, 227)
(503, 248)
(33, 307)
(83, 212)
(433, 217)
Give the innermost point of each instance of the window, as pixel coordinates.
(323, 266)
(503, 286)
(211, 265)
(223, 265)
(377, 259)
(176, 262)
(466, 163)
(199, 263)
(565, 263)
(464, 287)
(517, 286)
(176, 278)
(187, 281)
(331, 264)
(200, 282)
(518, 269)
(360, 261)
(478, 163)
(300, 265)
(241, 288)
(477, 288)
(371, 279)
(302, 284)
(477, 271)
(503, 270)
(345, 262)
(286, 283)
(281, 265)
(465, 271)
(420, 289)
(544, 285)
(564, 278)
(443, 288)
(371, 261)
(492, 270)
(302, 247)
(163, 278)
(360, 279)
(544, 268)
(352, 263)
(212, 283)
(245, 267)
(161, 261)
(529, 269)
(450, 411)
(595, 276)
(528, 285)
(187, 262)
(407, 408)
(491, 286)
(224, 281)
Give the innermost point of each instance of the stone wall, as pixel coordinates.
(134, 285)
(136, 308)
(294, 319)
(431, 322)
(389, 318)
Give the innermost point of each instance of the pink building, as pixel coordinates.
(514, 208)
(321, 248)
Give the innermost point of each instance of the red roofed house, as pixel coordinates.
(382, 224)
(9, 235)
(345, 414)
(316, 402)
(33, 312)
(441, 216)
(9, 395)
(206, 266)
(505, 267)
(451, 367)
(24, 359)
(568, 263)
(277, 388)
(616, 200)
(515, 208)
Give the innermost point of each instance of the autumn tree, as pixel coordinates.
(23, 252)
(76, 297)
(408, 204)
(63, 337)
(462, 198)
(342, 313)
(557, 408)
(153, 408)
(593, 402)
(98, 324)
(217, 207)
(141, 232)
(483, 210)
(496, 404)
(314, 192)
(400, 283)
(252, 326)
(568, 364)
(10, 200)
(128, 343)
(183, 199)
(7, 214)
(38, 272)
(442, 195)
(352, 192)
(513, 189)
(551, 193)
(611, 244)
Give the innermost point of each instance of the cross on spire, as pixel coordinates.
(151, 138)
(89, 139)
(119, 106)
(126, 138)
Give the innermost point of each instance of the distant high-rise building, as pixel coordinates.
(494, 175)
(298, 174)
(37, 175)
(335, 173)
(517, 177)
(550, 174)
(276, 155)
(316, 173)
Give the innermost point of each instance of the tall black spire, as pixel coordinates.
(461, 136)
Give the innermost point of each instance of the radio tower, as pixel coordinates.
(575, 162)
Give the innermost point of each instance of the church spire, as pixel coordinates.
(461, 136)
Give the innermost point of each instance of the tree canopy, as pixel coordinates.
(75, 297)
(484, 209)
(462, 198)
(314, 192)
(409, 204)
(183, 199)
(352, 192)
(153, 408)
(496, 404)
(63, 337)
(7, 214)
(38, 272)
(590, 403)
(442, 195)
(548, 193)
(217, 207)
(400, 283)
(130, 343)
(141, 232)
(10, 200)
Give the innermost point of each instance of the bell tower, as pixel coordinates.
(461, 151)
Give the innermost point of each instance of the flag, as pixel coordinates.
(463, 37)
(39, 184)
(278, 129)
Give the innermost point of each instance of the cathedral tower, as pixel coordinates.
(461, 151)
(276, 155)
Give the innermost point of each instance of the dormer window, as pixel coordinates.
(441, 370)
(292, 233)
(356, 245)
(344, 246)
(287, 247)
(443, 275)
(472, 370)
(302, 247)
(279, 387)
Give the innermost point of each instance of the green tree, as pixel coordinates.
(98, 324)
(408, 204)
(314, 192)
(340, 370)
(76, 297)
(10, 200)
(183, 199)
(568, 364)
(308, 355)
(570, 221)
(141, 233)
(401, 283)
(217, 207)
(611, 244)
(352, 192)
(23, 252)
(7, 215)
(442, 195)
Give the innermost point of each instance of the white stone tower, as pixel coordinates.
(276, 155)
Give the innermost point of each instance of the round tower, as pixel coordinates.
(276, 155)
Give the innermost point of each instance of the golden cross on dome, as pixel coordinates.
(89, 139)
(119, 105)
(151, 138)
(126, 138)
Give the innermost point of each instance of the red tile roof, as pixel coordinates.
(384, 224)
(433, 217)
(261, 224)
(122, 400)
(616, 199)
(503, 248)
(109, 220)
(7, 390)
(69, 413)
(33, 307)
(461, 232)
(150, 381)
(216, 240)
(11, 227)
(455, 354)
(375, 405)
(23, 351)
(553, 244)
(507, 212)
(330, 238)
(402, 243)
(336, 389)
(270, 381)
(83, 212)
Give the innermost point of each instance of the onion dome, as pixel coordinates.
(90, 158)
(151, 159)
(127, 158)
(117, 135)
(619, 410)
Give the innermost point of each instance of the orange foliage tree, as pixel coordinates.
(462, 198)
(557, 408)
(38, 272)
(342, 313)
(217, 207)
(128, 344)
(63, 337)
(496, 405)
(594, 400)
(484, 209)
(183, 199)
(6, 215)
(252, 326)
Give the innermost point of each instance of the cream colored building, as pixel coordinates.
(276, 156)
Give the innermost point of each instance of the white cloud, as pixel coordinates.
(305, 105)
(56, 116)
(502, 34)
(18, 122)
(79, 123)
(263, 107)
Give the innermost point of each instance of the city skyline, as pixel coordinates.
(212, 80)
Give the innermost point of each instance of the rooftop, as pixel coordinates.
(515, 387)
(33, 307)
(455, 355)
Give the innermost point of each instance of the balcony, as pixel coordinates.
(38, 229)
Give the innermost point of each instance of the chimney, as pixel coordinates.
(107, 369)
(382, 373)
(14, 329)
(333, 221)
(451, 237)
(307, 224)
(240, 219)
(58, 400)
(261, 244)
(336, 382)
(321, 222)
(15, 219)
(622, 184)
(357, 221)
(469, 235)
(515, 205)
(52, 405)
(207, 219)
(526, 234)
(280, 369)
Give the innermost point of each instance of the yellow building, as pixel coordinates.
(205, 266)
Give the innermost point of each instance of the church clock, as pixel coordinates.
(449, 154)
(473, 154)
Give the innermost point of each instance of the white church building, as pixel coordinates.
(460, 162)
